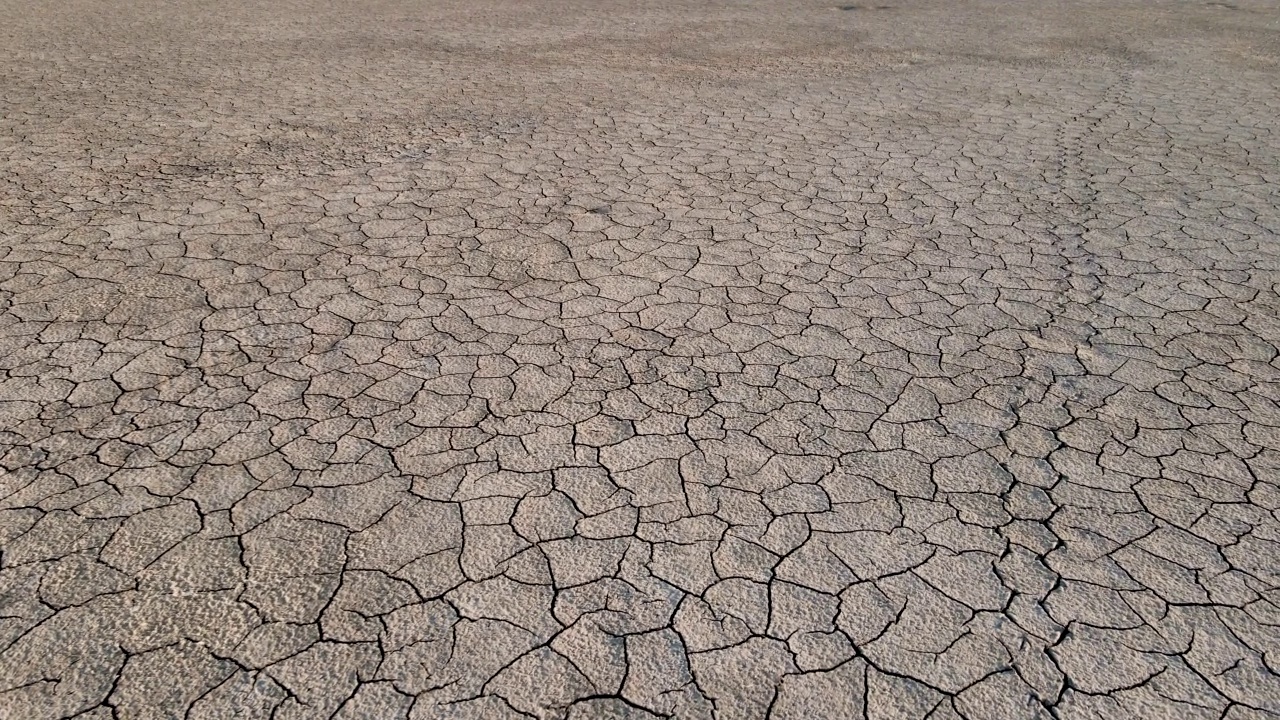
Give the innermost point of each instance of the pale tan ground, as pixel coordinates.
(620, 360)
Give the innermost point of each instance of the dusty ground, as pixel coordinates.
(604, 359)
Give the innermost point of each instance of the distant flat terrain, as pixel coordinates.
(673, 359)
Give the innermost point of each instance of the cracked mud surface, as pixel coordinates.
(634, 360)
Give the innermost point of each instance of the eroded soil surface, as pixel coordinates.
(613, 359)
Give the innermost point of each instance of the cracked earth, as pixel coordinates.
(637, 360)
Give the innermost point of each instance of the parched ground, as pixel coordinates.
(606, 359)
